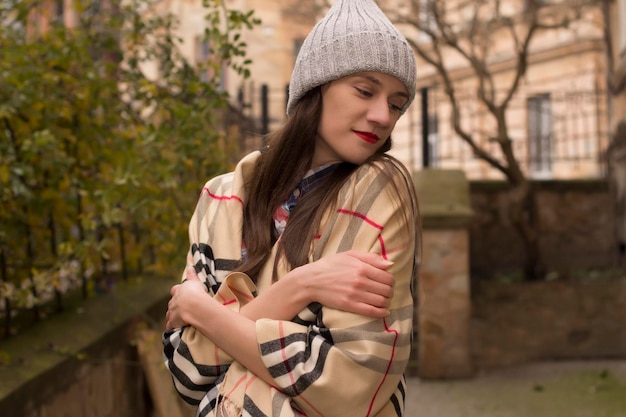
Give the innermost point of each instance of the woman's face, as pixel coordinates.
(358, 114)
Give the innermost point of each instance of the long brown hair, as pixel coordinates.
(280, 167)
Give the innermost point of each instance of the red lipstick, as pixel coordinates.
(367, 136)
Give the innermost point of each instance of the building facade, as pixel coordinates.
(560, 119)
(557, 117)
(272, 47)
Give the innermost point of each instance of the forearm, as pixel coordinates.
(283, 300)
(233, 333)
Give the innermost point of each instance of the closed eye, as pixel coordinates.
(364, 92)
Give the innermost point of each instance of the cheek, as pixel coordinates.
(333, 105)
(328, 120)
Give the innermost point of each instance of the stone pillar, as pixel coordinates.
(443, 291)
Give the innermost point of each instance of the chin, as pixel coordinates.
(358, 160)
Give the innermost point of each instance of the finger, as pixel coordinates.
(373, 259)
(371, 311)
(372, 281)
(191, 274)
(167, 319)
(381, 289)
(377, 275)
(371, 292)
(377, 301)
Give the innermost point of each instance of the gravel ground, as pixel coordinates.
(546, 389)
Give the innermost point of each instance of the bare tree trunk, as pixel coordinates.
(525, 218)
(462, 34)
(617, 175)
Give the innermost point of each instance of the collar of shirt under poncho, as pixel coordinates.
(312, 179)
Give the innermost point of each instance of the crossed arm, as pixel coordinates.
(353, 281)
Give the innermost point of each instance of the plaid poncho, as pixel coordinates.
(324, 362)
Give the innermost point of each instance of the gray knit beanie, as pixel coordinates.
(354, 36)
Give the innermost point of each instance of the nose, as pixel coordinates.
(379, 113)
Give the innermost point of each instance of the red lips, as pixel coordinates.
(367, 136)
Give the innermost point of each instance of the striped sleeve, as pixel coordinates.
(342, 363)
(194, 361)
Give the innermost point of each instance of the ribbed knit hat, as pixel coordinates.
(354, 36)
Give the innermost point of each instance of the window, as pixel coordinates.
(539, 136)
(58, 11)
(433, 140)
(426, 20)
(207, 72)
(203, 53)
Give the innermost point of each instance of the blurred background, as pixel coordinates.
(114, 113)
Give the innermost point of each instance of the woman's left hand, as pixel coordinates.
(186, 296)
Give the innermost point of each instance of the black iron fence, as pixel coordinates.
(555, 134)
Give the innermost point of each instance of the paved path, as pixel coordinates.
(551, 389)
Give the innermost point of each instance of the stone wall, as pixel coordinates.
(463, 328)
(84, 362)
(442, 315)
(113, 388)
(514, 323)
(574, 315)
(578, 229)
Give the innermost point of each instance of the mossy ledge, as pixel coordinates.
(37, 362)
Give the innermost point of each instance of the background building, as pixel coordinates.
(559, 118)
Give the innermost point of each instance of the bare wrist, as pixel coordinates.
(200, 306)
(299, 286)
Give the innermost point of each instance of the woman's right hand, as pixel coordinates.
(353, 281)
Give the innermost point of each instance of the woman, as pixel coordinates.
(297, 299)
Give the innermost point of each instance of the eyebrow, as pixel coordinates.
(379, 83)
